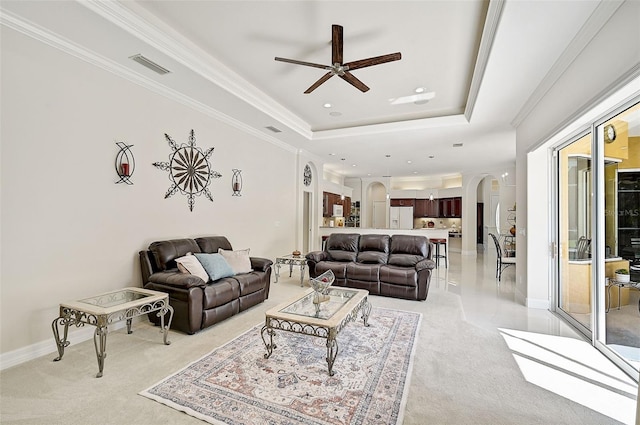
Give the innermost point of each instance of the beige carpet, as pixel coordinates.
(461, 375)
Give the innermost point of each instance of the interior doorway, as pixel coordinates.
(306, 222)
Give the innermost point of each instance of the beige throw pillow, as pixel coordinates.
(238, 260)
(190, 264)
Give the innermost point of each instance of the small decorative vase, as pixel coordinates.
(296, 253)
(512, 230)
(622, 278)
(320, 285)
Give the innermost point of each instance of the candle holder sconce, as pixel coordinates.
(125, 163)
(236, 182)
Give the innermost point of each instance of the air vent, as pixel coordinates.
(457, 145)
(272, 128)
(149, 64)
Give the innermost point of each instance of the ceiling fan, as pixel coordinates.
(342, 69)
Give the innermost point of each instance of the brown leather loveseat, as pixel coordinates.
(198, 304)
(395, 266)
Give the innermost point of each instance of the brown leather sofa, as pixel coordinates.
(198, 304)
(395, 266)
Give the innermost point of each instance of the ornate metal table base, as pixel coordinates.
(291, 260)
(103, 310)
(314, 327)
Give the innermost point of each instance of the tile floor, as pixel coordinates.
(492, 305)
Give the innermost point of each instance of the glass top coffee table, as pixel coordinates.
(324, 319)
(105, 309)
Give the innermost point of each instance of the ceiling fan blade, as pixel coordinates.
(351, 79)
(336, 44)
(293, 61)
(315, 85)
(363, 63)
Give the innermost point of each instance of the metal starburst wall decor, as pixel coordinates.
(189, 170)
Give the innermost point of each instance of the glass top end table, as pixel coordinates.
(291, 260)
(104, 309)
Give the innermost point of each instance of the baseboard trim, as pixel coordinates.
(539, 304)
(43, 348)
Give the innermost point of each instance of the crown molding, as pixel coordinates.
(45, 36)
(594, 24)
(141, 24)
(391, 127)
(494, 14)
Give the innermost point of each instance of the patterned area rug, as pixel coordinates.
(235, 384)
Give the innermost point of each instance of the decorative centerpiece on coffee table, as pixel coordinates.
(320, 285)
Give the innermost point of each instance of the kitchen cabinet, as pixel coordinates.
(330, 199)
(402, 202)
(450, 207)
(426, 208)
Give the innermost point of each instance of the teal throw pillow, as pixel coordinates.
(215, 265)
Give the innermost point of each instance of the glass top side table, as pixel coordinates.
(104, 309)
(291, 260)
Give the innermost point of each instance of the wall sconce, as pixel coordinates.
(125, 163)
(236, 182)
(431, 196)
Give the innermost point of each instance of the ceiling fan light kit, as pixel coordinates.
(339, 68)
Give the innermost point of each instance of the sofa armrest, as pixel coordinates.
(176, 279)
(317, 256)
(260, 264)
(425, 264)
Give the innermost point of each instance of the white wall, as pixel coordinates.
(587, 76)
(67, 231)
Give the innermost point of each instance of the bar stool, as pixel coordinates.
(438, 256)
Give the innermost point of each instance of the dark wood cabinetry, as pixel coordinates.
(426, 208)
(330, 199)
(443, 208)
(402, 202)
(450, 207)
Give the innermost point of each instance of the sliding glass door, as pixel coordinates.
(574, 236)
(618, 319)
(597, 233)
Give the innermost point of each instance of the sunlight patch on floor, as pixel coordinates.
(575, 370)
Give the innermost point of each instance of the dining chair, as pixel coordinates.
(502, 262)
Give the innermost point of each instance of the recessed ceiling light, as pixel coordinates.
(420, 90)
(353, 165)
(332, 154)
(327, 105)
(409, 162)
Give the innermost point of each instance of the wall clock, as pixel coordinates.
(307, 175)
(189, 170)
(609, 133)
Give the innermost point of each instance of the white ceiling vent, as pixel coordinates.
(148, 63)
(272, 128)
